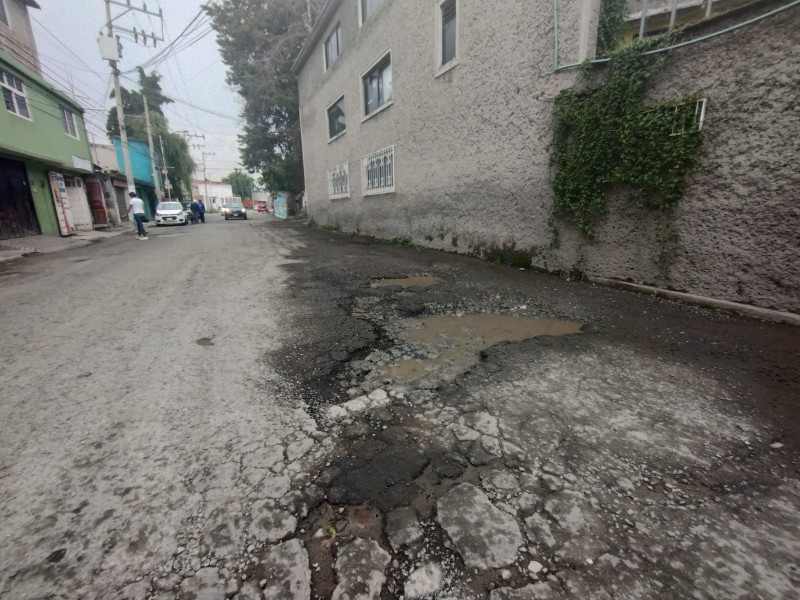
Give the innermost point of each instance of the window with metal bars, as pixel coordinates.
(14, 94)
(377, 172)
(339, 182)
(653, 17)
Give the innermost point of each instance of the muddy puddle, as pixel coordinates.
(453, 343)
(407, 282)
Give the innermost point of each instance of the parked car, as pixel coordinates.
(262, 208)
(235, 210)
(170, 213)
(187, 209)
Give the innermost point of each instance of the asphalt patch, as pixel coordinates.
(376, 474)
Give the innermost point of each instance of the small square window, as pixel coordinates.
(333, 47)
(336, 121)
(378, 85)
(68, 120)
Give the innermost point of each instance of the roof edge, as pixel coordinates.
(325, 18)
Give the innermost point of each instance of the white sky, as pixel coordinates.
(195, 75)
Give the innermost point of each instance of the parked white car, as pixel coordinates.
(170, 213)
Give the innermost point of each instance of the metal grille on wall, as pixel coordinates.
(339, 181)
(647, 18)
(377, 172)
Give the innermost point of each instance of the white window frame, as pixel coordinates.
(385, 105)
(698, 118)
(361, 19)
(338, 31)
(64, 109)
(387, 189)
(343, 168)
(15, 92)
(438, 41)
(328, 120)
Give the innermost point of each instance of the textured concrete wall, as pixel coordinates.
(471, 151)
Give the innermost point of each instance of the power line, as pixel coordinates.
(169, 47)
(102, 79)
(195, 106)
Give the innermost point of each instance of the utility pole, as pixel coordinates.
(205, 177)
(153, 166)
(110, 50)
(123, 134)
(164, 168)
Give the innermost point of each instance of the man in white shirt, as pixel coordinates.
(136, 205)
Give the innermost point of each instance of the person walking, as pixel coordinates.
(136, 205)
(202, 208)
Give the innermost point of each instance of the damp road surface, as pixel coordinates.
(262, 410)
(142, 433)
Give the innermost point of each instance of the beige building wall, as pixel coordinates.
(16, 38)
(471, 146)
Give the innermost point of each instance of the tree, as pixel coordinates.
(259, 42)
(176, 150)
(241, 183)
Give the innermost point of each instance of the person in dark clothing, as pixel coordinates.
(195, 207)
(202, 208)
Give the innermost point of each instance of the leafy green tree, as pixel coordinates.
(241, 183)
(259, 42)
(176, 150)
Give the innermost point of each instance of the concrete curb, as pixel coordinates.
(743, 309)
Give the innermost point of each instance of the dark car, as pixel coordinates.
(235, 210)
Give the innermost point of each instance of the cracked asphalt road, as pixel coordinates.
(219, 413)
(124, 441)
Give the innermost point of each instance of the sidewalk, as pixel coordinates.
(45, 244)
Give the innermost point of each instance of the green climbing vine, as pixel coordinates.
(605, 138)
(611, 25)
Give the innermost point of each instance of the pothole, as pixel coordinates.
(407, 282)
(453, 343)
(204, 341)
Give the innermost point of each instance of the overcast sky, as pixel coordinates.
(195, 75)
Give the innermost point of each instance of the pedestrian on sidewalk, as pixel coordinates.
(202, 208)
(136, 205)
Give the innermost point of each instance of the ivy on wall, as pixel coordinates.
(611, 25)
(605, 137)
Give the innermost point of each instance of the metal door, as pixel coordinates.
(97, 202)
(17, 215)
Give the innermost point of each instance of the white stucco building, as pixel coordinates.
(212, 193)
(430, 120)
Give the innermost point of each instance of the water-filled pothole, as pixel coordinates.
(407, 282)
(454, 343)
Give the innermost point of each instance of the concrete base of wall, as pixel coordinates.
(735, 307)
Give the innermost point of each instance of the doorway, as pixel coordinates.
(17, 215)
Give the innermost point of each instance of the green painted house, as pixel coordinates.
(44, 150)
